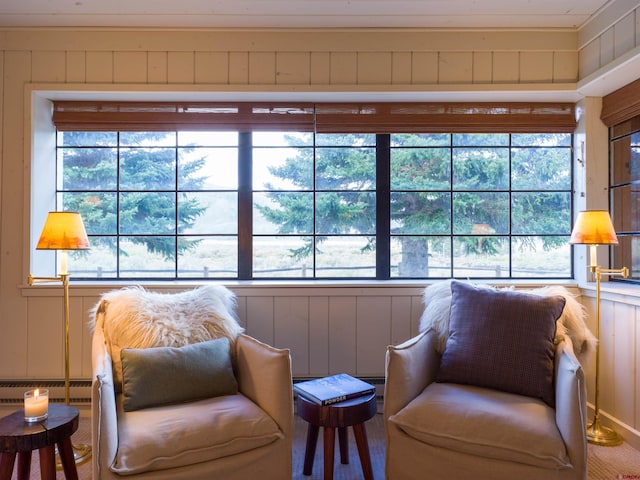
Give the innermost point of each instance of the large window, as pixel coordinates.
(621, 112)
(625, 194)
(286, 204)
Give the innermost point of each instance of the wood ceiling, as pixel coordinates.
(300, 13)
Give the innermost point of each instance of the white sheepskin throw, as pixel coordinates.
(437, 303)
(137, 318)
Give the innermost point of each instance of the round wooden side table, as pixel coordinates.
(21, 438)
(350, 413)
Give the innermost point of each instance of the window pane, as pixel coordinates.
(208, 169)
(88, 139)
(541, 213)
(282, 169)
(286, 257)
(541, 139)
(421, 213)
(148, 139)
(626, 159)
(480, 169)
(481, 139)
(541, 169)
(345, 139)
(204, 257)
(208, 139)
(421, 257)
(626, 208)
(345, 212)
(477, 257)
(293, 139)
(147, 257)
(480, 213)
(345, 168)
(147, 213)
(98, 211)
(421, 140)
(541, 257)
(147, 169)
(284, 213)
(208, 213)
(420, 169)
(99, 262)
(345, 257)
(88, 168)
(627, 253)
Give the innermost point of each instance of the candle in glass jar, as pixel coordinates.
(36, 405)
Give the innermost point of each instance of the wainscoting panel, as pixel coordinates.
(619, 357)
(373, 334)
(291, 328)
(623, 330)
(317, 354)
(341, 328)
(342, 347)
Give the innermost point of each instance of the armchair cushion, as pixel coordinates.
(173, 436)
(501, 339)
(486, 423)
(164, 375)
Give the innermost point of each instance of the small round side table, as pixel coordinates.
(350, 413)
(21, 438)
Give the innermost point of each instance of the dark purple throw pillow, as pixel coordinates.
(501, 339)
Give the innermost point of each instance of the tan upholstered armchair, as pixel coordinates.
(447, 430)
(239, 435)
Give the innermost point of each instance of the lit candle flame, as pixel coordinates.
(36, 392)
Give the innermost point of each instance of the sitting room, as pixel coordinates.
(341, 177)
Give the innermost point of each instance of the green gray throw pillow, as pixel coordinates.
(162, 375)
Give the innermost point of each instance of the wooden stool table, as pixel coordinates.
(350, 413)
(21, 438)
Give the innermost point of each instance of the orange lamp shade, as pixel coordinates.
(594, 227)
(63, 231)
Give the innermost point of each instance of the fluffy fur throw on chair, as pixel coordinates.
(137, 318)
(437, 302)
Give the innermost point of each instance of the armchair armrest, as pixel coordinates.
(264, 376)
(571, 404)
(104, 421)
(410, 367)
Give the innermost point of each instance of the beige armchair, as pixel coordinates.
(503, 396)
(236, 436)
(445, 430)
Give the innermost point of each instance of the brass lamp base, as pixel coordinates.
(601, 435)
(81, 455)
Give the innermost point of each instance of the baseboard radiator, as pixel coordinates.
(12, 391)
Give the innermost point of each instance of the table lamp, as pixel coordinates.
(593, 228)
(64, 231)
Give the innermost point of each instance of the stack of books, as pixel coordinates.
(333, 389)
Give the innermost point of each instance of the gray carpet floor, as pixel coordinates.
(605, 463)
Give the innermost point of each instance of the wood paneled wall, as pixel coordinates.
(610, 38)
(126, 63)
(286, 58)
(327, 327)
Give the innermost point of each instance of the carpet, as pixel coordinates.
(605, 463)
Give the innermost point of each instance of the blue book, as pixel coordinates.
(333, 389)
